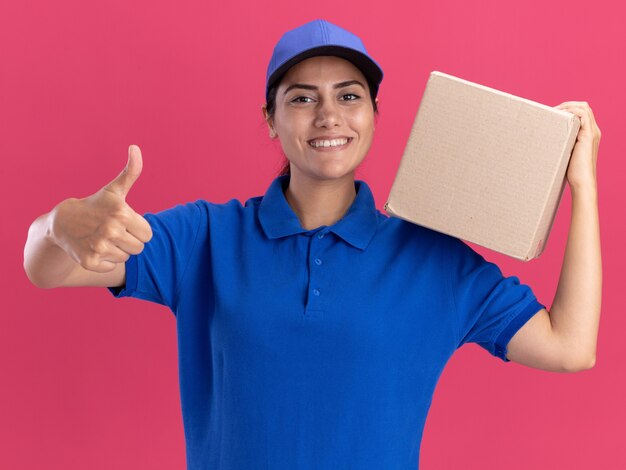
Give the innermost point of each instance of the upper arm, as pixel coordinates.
(536, 345)
(490, 307)
(504, 316)
(157, 273)
(80, 276)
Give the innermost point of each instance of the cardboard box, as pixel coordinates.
(484, 166)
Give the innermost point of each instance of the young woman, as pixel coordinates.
(312, 329)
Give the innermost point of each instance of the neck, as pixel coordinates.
(320, 202)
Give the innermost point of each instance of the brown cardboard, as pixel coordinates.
(484, 166)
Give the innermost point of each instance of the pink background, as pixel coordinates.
(90, 382)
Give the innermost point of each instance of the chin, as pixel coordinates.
(334, 173)
(328, 170)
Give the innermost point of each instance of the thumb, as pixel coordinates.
(124, 181)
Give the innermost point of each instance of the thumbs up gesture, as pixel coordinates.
(102, 230)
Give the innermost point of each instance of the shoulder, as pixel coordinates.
(231, 216)
(223, 209)
(196, 213)
(404, 231)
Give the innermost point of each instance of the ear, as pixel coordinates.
(268, 119)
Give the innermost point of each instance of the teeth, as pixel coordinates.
(328, 143)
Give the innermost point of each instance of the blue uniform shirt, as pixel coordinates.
(315, 349)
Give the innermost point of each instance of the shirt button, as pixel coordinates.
(320, 235)
(316, 291)
(318, 261)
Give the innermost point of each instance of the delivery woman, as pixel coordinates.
(312, 329)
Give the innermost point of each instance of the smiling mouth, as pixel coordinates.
(328, 146)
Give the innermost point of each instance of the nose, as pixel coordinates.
(328, 114)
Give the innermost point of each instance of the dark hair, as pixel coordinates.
(271, 108)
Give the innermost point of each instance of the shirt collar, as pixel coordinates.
(356, 227)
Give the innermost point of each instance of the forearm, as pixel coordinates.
(45, 263)
(575, 312)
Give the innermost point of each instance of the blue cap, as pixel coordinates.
(319, 37)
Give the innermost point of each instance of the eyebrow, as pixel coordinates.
(313, 87)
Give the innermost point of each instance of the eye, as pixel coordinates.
(296, 100)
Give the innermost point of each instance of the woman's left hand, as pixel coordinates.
(582, 165)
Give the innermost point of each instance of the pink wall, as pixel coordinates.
(90, 382)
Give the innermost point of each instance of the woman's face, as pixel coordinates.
(320, 99)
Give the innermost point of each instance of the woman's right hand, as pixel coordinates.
(102, 230)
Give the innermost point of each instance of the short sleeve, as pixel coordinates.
(490, 308)
(157, 272)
